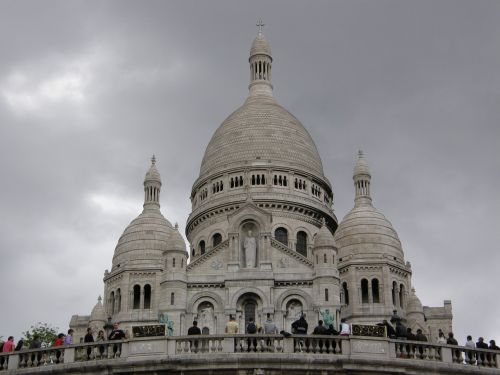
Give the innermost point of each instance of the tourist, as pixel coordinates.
(345, 329)
(116, 334)
(89, 338)
(9, 345)
(391, 332)
(68, 340)
(480, 344)
(332, 330)
(194, 330)
(36, 344)
(493, 345)
(251, 329)
(451, 340)
(470, 344)
(320, 329)
(409, 335)
(19, 345)
(269, 326)
(420, 336)
(300, 326)
(231, 326)
(59, 341)
(441, 338)
(100, 338)
(401, 331)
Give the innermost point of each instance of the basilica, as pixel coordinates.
(263, 238)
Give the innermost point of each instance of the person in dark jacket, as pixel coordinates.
(480, 344)
(420, 336)
(409, 335)
(89, 338)
(194, 330)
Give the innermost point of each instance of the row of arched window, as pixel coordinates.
(281, 235)
(280, 180)
(373, 288)
(300, 184)
(260, 70)
(216, 240)
(316, 191)
(236, 181)
(217, 186)
(203, 194)
(174, 263)
(325, 259)
(258, 179)
(115, 299)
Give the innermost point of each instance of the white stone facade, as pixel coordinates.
(261, 237)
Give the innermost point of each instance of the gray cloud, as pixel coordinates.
(88, 91)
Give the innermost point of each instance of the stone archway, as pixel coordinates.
(249, 306)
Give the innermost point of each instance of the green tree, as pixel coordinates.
(45, 332)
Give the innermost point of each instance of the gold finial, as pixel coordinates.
(260, 25)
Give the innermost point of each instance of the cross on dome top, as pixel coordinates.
(260, 25)
(153, 159)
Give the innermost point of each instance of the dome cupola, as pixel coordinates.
(148, 235)
(365, 231)
(324, 238)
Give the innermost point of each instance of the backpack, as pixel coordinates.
(251, 328)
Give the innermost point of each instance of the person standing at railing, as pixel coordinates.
(68, 340)
(89, 337)
(194, 330)
(480, 344)
(345, 329)
(269, 329)
(100, 338)
(36, 344)
(231, 326)
(252, 330)
(9, 345)
(320, 329)
(441, 338)
(116, 334)
(470, 344)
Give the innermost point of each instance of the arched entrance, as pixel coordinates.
(249, 305)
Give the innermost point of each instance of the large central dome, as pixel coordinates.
(261, 130)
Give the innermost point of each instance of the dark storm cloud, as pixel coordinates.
(89, 90)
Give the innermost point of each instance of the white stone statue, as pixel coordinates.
(250, 247)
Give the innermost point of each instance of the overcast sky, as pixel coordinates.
(90, 90)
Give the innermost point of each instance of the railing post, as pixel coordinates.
(497, 362)
(171, 346)
(228, 345)
(446, 355)
(69, 355)
(288, 343)
(13, 362)
(125, 349)
(392, 350)
(346, 346)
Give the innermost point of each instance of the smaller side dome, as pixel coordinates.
(324, 238)
(414, 304)
(176, 241)
(98, 313)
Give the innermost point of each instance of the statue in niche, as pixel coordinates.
(250, 247)
(327, 317)
(206, 316)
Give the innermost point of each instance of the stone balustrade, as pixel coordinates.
(188, 349)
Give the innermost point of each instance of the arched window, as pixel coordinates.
(147, 296)
(301, 245)
(182, 262)
(118, 299)
(216, 239)
(375, 291)
(173, 263)
(324, 258)
(202, 247)
(394, 292)
(172, 298)
(137, 297)
(281, 234)
(401, 295)
(364, 291)
(326, 295)
(346, 293)
(112, 303)
(192, 252)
